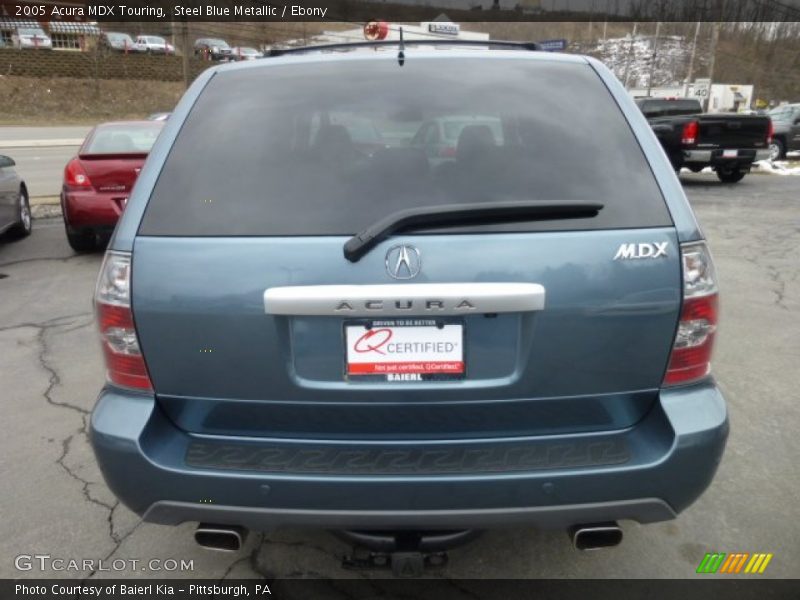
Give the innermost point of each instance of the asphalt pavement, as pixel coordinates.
(13, 136)
(41, 153)
(54, 500)
(41, 167)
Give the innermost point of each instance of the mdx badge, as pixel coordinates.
(644, 250)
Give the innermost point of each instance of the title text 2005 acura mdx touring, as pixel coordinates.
(307, 331)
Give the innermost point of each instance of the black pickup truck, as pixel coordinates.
(728, 143)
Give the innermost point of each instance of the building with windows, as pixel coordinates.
(71, 35)
(65, 35)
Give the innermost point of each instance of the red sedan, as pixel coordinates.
(98, 181)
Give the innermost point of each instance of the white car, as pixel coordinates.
(153, 44)
(31, 38)
(245, 53)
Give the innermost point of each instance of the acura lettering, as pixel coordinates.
(410, 305)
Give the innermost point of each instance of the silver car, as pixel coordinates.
(15, 209)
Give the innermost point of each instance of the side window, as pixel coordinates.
(419, 137)
(432, 134)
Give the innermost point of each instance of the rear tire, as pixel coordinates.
(82, 242)
(24, 223)
(731, 175)
(777, 150)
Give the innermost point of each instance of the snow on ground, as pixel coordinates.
(778, 167)
(766, 167)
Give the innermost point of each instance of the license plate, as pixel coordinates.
(730, 153)
(404, 350)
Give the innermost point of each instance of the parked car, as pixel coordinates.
(439, 137)
(728, 143)
(15, 209)
(31, 38)
(786, 136)
(245, 53)
(402, 353)
(153, 44)
(118, 42)
(213, 49)
(361, 131)
(99, 179)
(159, 116)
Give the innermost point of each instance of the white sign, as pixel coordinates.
(444, 28)
(393, 348)
(701, 88)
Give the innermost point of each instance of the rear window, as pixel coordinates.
(328, 148)
(123, 139)
(669, 108)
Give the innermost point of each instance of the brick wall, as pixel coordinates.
(96, 65)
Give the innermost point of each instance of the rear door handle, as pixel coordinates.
(408, 299)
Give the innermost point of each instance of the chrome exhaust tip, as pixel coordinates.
(224, 538)
(594, 536)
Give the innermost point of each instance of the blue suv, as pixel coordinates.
(306, 325)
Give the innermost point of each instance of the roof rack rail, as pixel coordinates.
(529, 46)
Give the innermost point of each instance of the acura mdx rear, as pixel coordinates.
(300, 329)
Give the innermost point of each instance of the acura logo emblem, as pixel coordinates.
(403, 262)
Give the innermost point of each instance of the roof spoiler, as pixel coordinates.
(525, 46)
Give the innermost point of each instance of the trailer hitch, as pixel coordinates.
(407, 553)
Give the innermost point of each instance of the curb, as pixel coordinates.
(45, 206)
(40, 143)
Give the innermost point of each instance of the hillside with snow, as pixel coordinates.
(631, 59)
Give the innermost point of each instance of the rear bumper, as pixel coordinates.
(715, 157)
(91, 210)
(649, 472)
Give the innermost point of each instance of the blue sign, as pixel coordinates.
(553, 45)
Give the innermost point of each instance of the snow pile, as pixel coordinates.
(777, 167)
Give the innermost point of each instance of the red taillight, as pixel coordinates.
(690, 359)
(75, 175)
(770, 132)
(689, 135)
(124, 362)
(447, 152)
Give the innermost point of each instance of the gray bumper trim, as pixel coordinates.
(762, 154)
(644, 510)
(705, 156)
(697, 155)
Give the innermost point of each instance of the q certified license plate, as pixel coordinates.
(404, 350)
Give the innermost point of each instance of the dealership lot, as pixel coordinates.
(56, 503)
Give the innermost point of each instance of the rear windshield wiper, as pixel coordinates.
(454, 215)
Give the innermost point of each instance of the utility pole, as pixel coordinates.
(630, 56)
(712, 60)
(653, 59)
(690, 72)
(185, 49)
